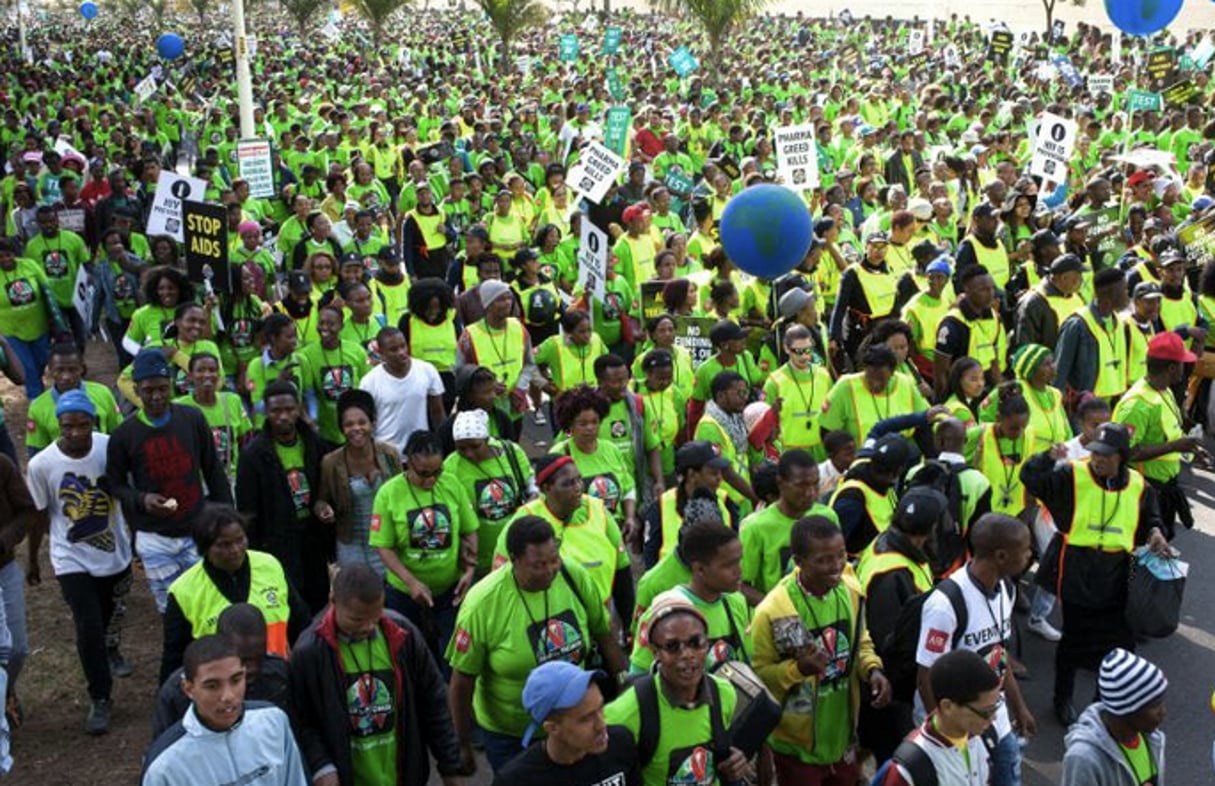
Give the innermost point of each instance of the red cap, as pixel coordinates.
(1139, 178)
(639, 210)
(1169, 346)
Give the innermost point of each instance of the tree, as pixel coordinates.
(510, 18)
(302, 11)
(377, 13)
(159, 9)
(717, 18)
(1049, 6)
(202, 8)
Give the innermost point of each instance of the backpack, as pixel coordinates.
(948, 545)
(648, 728)
(914, 761)
(899, 648)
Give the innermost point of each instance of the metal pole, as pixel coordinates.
(244, 81)
(25, 52)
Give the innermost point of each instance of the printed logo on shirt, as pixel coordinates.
(241, 333)
(56, 264)
(375, 522)
(612, 307)
(87, 508)
(557, 638)
(20, 293)
(936, 641)
(618, 429)
(125, 288)
(336, 380)
(691, 767)
(301, 492)
(463, 640)
(496, 498)
(429, 528)
(369, 705)
(223, 443)
(604, 487)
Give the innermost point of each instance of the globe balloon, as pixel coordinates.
(766, 230)
(1142, 17)
(88, 9)
(170, 46)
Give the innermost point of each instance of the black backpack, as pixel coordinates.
(948, 543)
(648, 729)
(914, 760)
(899, 648)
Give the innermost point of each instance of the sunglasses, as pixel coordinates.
(428, 475)
(989, 712)
(675, 646)
(801, 351)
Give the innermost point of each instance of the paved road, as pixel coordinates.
(1188, 659)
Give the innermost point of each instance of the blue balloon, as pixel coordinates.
(766, 230)
(1142, 17)
(88, 9)
(170, 46)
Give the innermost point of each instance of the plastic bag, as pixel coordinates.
(1154, 594)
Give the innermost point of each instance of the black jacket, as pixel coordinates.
(888, 591)
(262, 491)
(318, 693)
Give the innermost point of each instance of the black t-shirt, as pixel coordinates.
(617, 766)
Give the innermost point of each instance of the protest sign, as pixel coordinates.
(1068, 71)
(1202, 53)
(692, 333)
(72, 218)
(596, 170)
(84, 295)
(678, 182)
(256, 167)
(611, 40)
(206, 242)
(951, 56)
(1104, 237)
(915, 42)
(683, 61)
(593, 260)
(1101, 83)
(1052, 147)
(1198, 241)
(172, 190)
(1161, 67)
(651, 299)
(1180, 93)
(524, 64)
(614, 86)
(145, 88)
(616, 129)
(1056, 31)
(796, 156)
(997, 50)
(1143, 101)
(567, 49)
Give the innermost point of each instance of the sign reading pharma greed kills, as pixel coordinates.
(206, 241)
(593, 260)
(796, 156)
(595, 171)
(1053, 145)
(171, 191)
(256, 167)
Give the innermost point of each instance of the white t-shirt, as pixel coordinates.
(828, 478)
(88, 534)
(1076, 451)
(988, 627)
(401, 402)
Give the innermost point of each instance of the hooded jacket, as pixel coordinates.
(423, 719)
(1092, 757)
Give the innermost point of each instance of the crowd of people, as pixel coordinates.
(403, 489)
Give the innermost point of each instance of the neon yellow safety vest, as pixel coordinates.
(432, 229)
(801, 405)
(880, 290)
(671, 520)
(1206, 307)
(987, 343)
(1177, 312)
(1111, 355)
(1063, 305)
(1137, 342)
(1048, 421)
(201, 602)
(873, 565)
(503, 354)
(728, 452)
(1008, 494)
(899, 398)
(1105, 520)
(577, 369)
(642, 253)
(586, 543)
(899, 259)
(994, 259)
(436, 344)
(880, 507)
(924, 313)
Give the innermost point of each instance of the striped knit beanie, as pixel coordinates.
(1127, 683)
(1027, 358)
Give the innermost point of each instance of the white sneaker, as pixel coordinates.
(1045, 629)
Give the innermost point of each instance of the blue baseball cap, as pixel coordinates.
(75, 401)
(552, 686)
(149, 363)
(940, 265)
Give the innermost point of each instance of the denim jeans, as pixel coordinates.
(33, 356)
(12, 588)
(1006, 762)
(164, 559)
(500, 748)
(1042, 605)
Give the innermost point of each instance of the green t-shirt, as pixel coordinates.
(331, 372)
(148, 323)
(371, 705)
(765, 541)
(607, 474)
(494, 488)
(42, 427)
(729, 619)
(292, 458)
(668, 573)
(503, 632)
(743, 365)
(684, 753)
(229, 425)
(23, 310)
(61, 256)
(423, 528)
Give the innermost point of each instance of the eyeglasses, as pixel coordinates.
(989, 713)
(428, 475)
(801, 351)
(675, 646)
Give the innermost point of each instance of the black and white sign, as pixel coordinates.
(596, 170)
(593, 260)
(1053, 146)
(171, 191)
(796, 156)
(145, 88)
(256, 166)
(1101, 83)
(915, 42)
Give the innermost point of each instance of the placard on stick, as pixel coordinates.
(206, 241)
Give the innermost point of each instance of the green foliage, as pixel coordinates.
(377, 13)
(302, 11)
(509, 18)
(717, 18)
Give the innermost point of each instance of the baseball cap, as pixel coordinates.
(940, 265)
(1044, 238)
(1169, 346)
(149, 364)
(1112, 438)
(890, 452)
(75, 401)
(1074, 222)
(634, 212)
(926, 250)
(352, 258)
(984, 210)
(556, 685)
(1139, 178)
(877, 237)
(1201, 203)
(1171, 258)
(921, 506)
(297, 282)
(726, 330)
(1147, 289)
(1068, 263)
(697, 455)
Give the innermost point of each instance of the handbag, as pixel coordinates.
(756, 712)
(1154, 594)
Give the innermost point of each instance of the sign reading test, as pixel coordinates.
(1053, 145)
(797, 156)
(171, 192)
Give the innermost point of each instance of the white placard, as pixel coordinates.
(73, 218)
(252, 42)
(256, 166)
(1101, 83)
(596, 170)
(171, 191)
(952, 58)
(330, 31)
(1053, 145)
(796, 156)
(915, 42)
(524, 64)
(84, 295)
(145, 88)
(593, 259)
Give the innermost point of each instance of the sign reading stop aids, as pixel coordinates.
(172, 191)
(1053, 145)
(796, 156)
